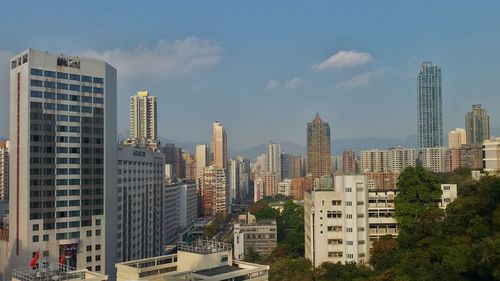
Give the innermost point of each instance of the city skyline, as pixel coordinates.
(239, 74)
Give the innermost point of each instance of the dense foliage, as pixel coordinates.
(460, 243)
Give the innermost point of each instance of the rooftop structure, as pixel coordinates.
(55, 272)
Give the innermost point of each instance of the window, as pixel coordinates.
(36, 94)
(89, 248)
(49, 95)
(89, 232)
(36, 105)
(349, 229)
(35, 227)
(49, 84)
(86, 99)
(74, 98)
(62, 107)
(86, 89)
(74, 77)
(87, 109)
(48, 73)
(348, 189)
(97, 247)
(37, 72)
(49, 106)
(45, 237)
(97, 232)
(73, 87)
(98, 80)
(62, 86)
(86, 79)
(89, 258)
(348, 203)
(62, 117)
(62, 75)
(99, 100)
(98, 90)
(36, 83)
(35, 238)
(74, 108)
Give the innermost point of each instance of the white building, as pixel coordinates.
(63, 161)
(4, 171)
(171, 213)
(143, 124)
(342, 223)
(434, 159)
(374, 160)
(140, 218)
(214, 191)
(202, 158)
(188, 204)
(274, 159)
(336, 222)
(204, 260)
(400, 158)
(259, 235)
(51, 272)
(284, 187)
(491, 153)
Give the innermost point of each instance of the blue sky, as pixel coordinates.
(262, 68)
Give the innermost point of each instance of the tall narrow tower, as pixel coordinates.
(429, 104)
(220, 145)
(318, 147)
(143, 124)
(477, 125)
(63, 166)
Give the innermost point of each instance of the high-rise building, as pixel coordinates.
(284, 187)
(220, 145)
(336, 222)
(298, 167)
(271, 181)
(400, 158)
(143, 124)
(491, 152)
(374, 160)
(318, 147)
(214, 192)
(274, 159)
(286, 166)
(349, 162)
(477, 125)
(457, 138)
(188, 204)
(4, 170)
(173, 156)
(189, 166)
(63, 166)
(258, 189)
(434, 159)
(429, 106)
(140, 203)
(234, 181)
(202, 158)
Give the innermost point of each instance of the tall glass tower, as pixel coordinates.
(430, 109)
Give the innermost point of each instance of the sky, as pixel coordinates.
(264, 68)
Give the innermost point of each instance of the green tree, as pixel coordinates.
(291, 270)
(415, 205)
(252, 256)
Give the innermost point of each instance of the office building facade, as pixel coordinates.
(477, 125)
(429, 106)
(318, 147)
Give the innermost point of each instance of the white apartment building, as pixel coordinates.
(188, 204)
(336, 222)
(143, 123)
(202, 158)
(400, 158)
(274, 159)
(4, 171)
(434, 159)
(202, 261)
(62, 181)
(284, 187)
(374, 160)
(139, 222)
(457, 138)
(491, 155)
(259, 235)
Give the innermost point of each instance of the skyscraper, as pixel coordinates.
(429, 104)
(63, 166)
(143, 125)
(214, 191)
(202, 158)
(477, 125)
(457, 138)
(4, 170)
(274, 159)
(318, 147)
(220, 145)
(349, 162)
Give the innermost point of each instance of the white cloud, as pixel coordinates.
(343, 59)
(294, 83)
(272, 84)
(360, 80)
(165, 58)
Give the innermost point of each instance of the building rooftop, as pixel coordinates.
(205, 247)
(218, 270)
(58, 272)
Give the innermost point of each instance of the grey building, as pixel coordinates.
(429, 106)
(63, 161)
(477, 125)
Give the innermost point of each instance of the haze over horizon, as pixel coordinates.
(264, 69)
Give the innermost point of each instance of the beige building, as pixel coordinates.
(214, 191)
(491, 153)
(143, 123)
(435, 159)
(201, 261)
(457, 138)
(4, 170)
(219, 145)
(374, 160)
(202, 158)
(400, 158)
(249, 233)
